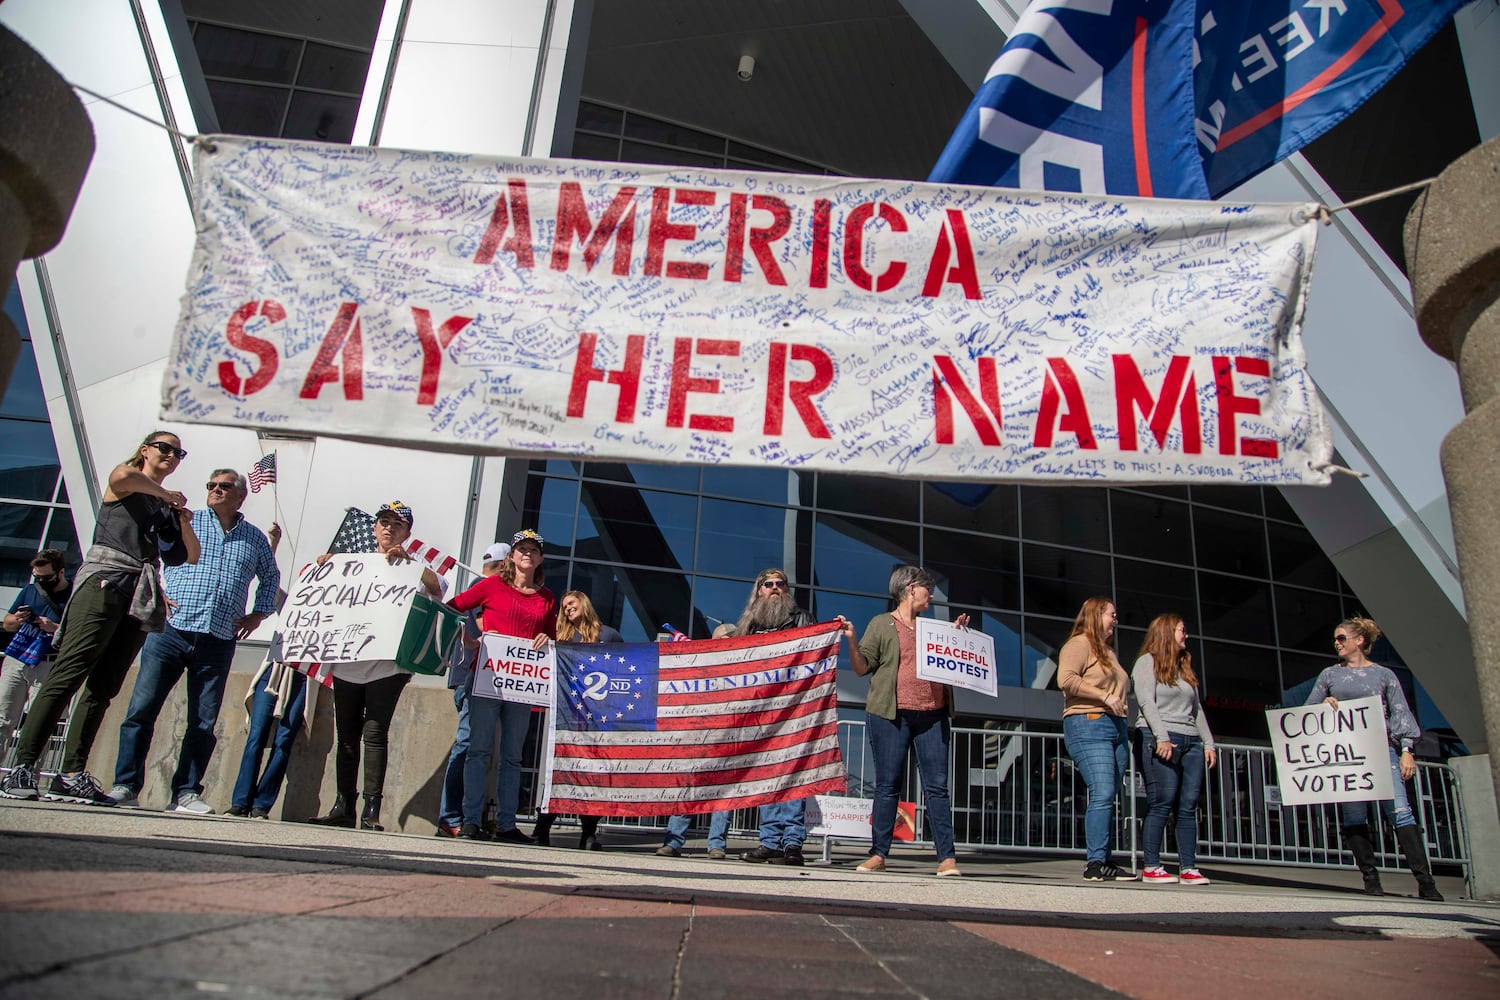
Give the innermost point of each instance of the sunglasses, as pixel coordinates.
(774, 584)
(39, 578)
(1341, 637)
(167, 449)
(218, 486)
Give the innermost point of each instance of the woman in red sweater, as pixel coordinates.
(513, 602)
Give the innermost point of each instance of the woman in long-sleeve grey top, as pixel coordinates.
(1173, 742)
(1357, 676)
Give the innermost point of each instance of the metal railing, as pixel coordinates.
(1017, 791)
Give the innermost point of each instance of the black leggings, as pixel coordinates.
(362, 713)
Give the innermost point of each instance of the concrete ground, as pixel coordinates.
(126, 903)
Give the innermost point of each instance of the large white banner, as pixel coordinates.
(353, 607)
(632, 313)
(1326, 754)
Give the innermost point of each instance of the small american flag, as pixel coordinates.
(440, 561)
(355, 534)
(263, 472)
(647, 729)
(321, 673)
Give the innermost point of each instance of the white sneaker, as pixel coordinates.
(125, 796)
(192, 803)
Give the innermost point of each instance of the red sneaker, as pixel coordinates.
(1158, 874)
(1192, 876)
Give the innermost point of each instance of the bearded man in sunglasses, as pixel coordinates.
(206, 618)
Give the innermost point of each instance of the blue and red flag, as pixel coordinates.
(650, 729)
(1175, 98)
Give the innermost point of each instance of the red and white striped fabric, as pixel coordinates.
(322, 673)
(647, 729)
(440, 561)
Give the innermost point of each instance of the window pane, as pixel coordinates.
(1276, 505)
(596, 118)
(1058, 581)
(978, 570)
(1005, 629)
(857, 554)
(245, 55)
(1238, 682)
(20, 538)
(973, 506)
(773, 485)
(1066, 515)
(23, 397)
(1234, 608)
(664, 477)
(325, 67)
(741, 539)
(321, 117)
(595, 147)
(637, 526)
(244, 109)
(637, 602)
(1306, 619)
(63, 536)
(1145, 590)
(1245, 499)
(1298, 673)
(1296, 558)
(1151, 527)
(28, 460)
(639, 152)
(872, 495)
(549, 510)
(1230, 543)
(667, 134)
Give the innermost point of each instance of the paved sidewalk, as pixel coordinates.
(126, 903)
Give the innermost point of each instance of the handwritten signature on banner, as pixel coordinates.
(676, 315)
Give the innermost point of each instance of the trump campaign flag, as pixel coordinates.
(1094, 96)
(647, 729)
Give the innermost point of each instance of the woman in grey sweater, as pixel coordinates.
(1357, 676)
(1173, 742)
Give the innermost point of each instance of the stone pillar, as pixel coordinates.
(46, 143)
(1453, 254)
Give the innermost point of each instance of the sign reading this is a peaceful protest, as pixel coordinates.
(667, 314)
(353, 607)
(510, 669)
(961, 657)
(1326, 754)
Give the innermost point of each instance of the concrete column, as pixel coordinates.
(1453, 253)
(46, 143)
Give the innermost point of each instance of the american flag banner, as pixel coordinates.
(321, 673)
(356, 533)
(649, 729)
(440, 561)
(263, 472)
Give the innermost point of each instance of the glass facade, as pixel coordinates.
(606, 132)
(656, 545)
(34, 511)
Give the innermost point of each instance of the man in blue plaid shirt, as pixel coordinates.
(207, 617)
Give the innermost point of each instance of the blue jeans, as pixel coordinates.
(1171, 784)
(166, 656)
(718, 830)
(257, 789)
(513, 718)
(1097, 747)
(451, 808)
(782, 826)
(928, 733)
(1397, 811)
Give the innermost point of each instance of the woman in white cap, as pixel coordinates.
(515, 603)
(365, 693)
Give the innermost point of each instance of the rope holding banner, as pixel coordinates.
(1331, 467)
(1325, 212)
(131, 111)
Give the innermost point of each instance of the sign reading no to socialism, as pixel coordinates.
(353, 607)
(509, 668)
(622, 312)
(958, 656)
(1325, 754)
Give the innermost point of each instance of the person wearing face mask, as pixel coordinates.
(1095, 702)
(365, 693)
(117, 601)
(31, 622)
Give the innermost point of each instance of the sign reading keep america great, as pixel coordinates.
(630, 313)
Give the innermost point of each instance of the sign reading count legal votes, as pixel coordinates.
(509, 668)
(1326, 754)
(353, 607)
(958, 656)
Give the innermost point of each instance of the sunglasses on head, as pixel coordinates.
(217, 485)
(167, 449)
(774, 584)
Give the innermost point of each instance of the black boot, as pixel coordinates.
(1415, 853)
(542, 832)
(342, 814)
(1363, 849)
(588, 840)
(369, 819)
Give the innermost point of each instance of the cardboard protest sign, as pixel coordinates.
(510, 669)
(353, 607)
(1325, 754)
(626, 312)
(849, 818)
(961, 657)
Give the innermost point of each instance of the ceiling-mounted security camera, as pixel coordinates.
(747, 68)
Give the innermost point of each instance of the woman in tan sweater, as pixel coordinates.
(1095, 687)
